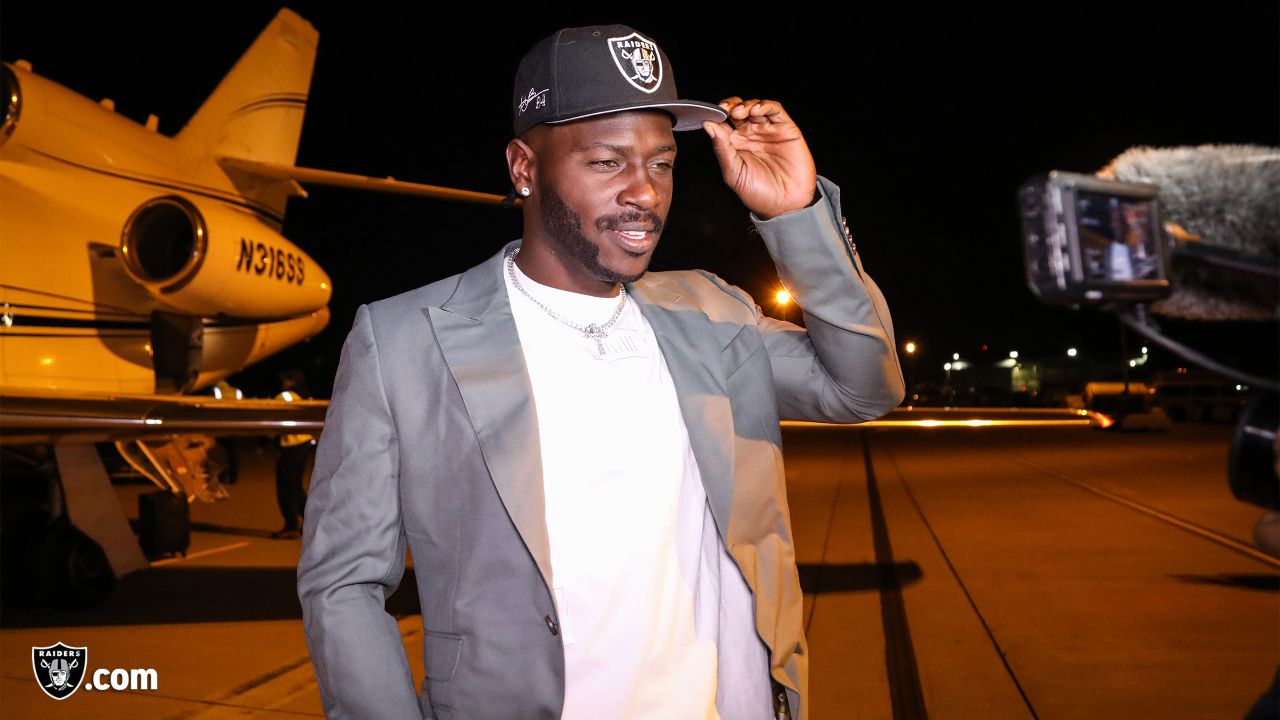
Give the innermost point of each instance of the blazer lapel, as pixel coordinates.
(692, 353)
(478, 337)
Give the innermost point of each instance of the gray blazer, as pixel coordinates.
(431, 441)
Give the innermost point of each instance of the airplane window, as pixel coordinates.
(11, 96)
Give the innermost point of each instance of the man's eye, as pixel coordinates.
(604, 163)
(664, 166)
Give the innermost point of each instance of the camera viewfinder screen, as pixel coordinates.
(1117, 237)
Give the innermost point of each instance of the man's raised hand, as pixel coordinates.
(763, 157)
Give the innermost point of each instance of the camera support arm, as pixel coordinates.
(1139, 321)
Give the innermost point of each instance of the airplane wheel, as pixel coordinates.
(20, 573)
(74, 570)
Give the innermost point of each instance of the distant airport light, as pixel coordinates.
(1013, 354)
(1071, 352)
(782, 297)
(1144, 349)
(911, 348)
(955, 356)
(947, 366)
(1133, 363)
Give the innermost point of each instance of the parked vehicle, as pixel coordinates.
(1122, 408)
(1200, 399)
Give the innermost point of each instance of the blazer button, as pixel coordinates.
(552, 625)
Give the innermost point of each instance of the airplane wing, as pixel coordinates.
(292, 173)
(975, 417)
(44, 416)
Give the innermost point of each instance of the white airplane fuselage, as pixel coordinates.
(104, 222)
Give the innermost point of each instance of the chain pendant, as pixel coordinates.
(595, 332)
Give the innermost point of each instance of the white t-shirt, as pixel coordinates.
(636, 561)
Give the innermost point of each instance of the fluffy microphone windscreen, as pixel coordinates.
(1229, 195)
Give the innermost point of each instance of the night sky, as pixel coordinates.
(928, 119)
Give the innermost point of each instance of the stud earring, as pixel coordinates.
(525, 192)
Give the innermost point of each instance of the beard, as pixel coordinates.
(565, 228)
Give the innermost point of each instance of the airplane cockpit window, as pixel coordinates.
(11, 96)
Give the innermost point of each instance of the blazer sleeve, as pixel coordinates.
(353, 545)
(844, 366)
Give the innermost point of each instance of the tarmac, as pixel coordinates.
(948, 573)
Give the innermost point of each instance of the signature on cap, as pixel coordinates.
(539, 99)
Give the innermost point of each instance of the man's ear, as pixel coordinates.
(520, 162)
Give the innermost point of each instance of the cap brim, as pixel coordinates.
(689, 114)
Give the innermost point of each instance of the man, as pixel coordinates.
(583, 458)
(291, 463)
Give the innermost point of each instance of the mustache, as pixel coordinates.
(612, 222)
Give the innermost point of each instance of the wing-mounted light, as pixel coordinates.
(212, 259)
(10, 102)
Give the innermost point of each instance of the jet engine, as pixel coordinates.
(217, 259)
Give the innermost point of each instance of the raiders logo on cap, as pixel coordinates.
(638, 60)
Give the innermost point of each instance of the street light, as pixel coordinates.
(955, 356)
(1013, 354)
(1071, 352)
(782, 299)
(910, 347)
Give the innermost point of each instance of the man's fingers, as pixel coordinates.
(719, 133)
(754, 111)
(768, 111)
(737, 109)
(727, 103)
(726, 155)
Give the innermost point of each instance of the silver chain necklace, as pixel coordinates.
(592, 331)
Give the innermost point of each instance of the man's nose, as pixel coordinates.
(642, 191)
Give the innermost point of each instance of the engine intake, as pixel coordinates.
(164, 241)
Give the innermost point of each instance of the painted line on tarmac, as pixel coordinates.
(845, 452)
(202, 553)
(241, 696)
(1195, 529)
(905, 694)
(955, 574)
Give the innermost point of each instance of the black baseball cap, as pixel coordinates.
(580, 72)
